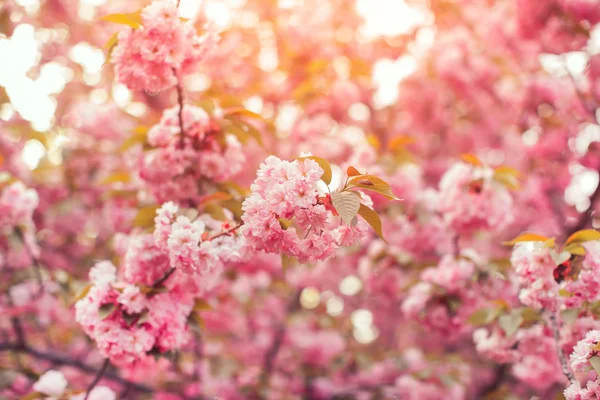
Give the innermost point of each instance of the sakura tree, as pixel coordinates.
(299, 199)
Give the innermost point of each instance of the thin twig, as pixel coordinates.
(227, 232)
(162, 280)
(97, 378)
(36, 263)
(456, 245)
(18, 328)
(561, 355)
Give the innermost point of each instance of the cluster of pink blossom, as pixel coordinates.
(318, 348)
(17, 204)
(286, 190)
(442, 300)
(471, 200)
(161, 51)
(179, 161)
(590, 392)
(534, 266)
(126, 323)
(536, 366)
(188, 245)
(549, 279)
(495, 345)
(586, 287)
(584, 350)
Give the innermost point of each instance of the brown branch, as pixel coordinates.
(162, 280)
(60, 359)
(561, 355)
(18, 328)
(97, 378)
(272, 352)
(179, 90)
(36, 263)
(500, 374)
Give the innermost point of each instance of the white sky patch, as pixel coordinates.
(32, 99)
(387, 75)
(388, 17)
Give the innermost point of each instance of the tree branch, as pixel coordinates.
(179, 90)
(36, 263)
(162, 280)
(561, 355)
(60, 359)
(97, 378)
(271, 354)
(499, 376)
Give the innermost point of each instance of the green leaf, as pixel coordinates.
(484, 316)
(122, 177)
(510, 323)
(569, 316)
(471, 159)
(285, 223)
(33, 396)
(507, 177)
(208, 105)
(133, 20)
(237, 131)
(251, 130)
(530, 315)
(595, 361)
(585, 235)
(138, 137)
(242, 112)
(527, 237)
(215, 198)
(324, 164)
(106, 310)
(346, 204)
(575, 249)
(202, 305)
(374, 184)
(215, 211)
(110, 46)
(564, 293)
(145, 217)
(287, 262)
(400, 142)
(372, 219)
(83, 293)
(130, 318)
